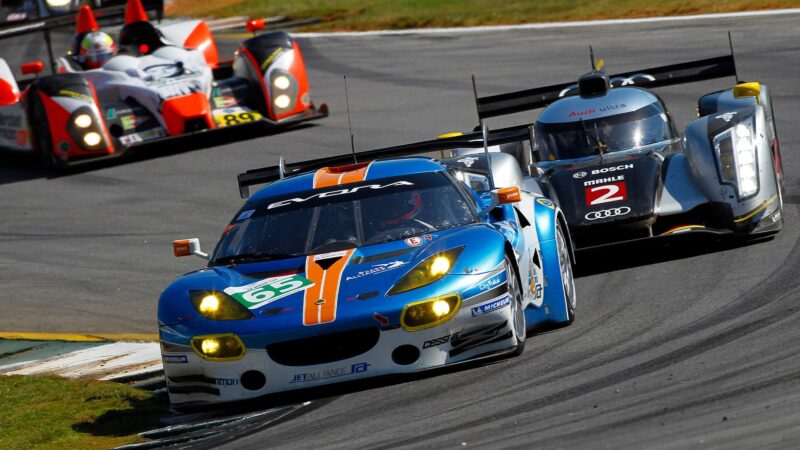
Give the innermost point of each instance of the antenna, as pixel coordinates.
(733, 57)
(349, 123)
(591, 57)
(485, 133)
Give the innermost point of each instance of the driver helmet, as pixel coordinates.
(401, 207)
(95, 49)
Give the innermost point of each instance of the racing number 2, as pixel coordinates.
(607, 193)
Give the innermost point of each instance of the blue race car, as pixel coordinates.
(335, 272)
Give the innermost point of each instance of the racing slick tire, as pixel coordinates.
(41, 139)
(519, 328)
(567, 277)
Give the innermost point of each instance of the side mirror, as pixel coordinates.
(187, 247)
(32, 68)
(254, 25)
(752, 89)
(507, 195)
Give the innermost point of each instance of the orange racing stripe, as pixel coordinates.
(334, 176)
(320, 300)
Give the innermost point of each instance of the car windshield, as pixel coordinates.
(569, 140)
(345, 216)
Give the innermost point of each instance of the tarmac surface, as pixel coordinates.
(693, 345)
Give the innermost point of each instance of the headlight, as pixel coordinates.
(218, 306)
(83, 121)
(218, 347)
(736, 156)
(281, 82)
(282, 101)
(429, 313)
(92, 139)
(431, 269)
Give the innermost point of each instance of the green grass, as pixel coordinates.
(398, 14)
(56, 413)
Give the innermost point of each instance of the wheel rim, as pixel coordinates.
(519, 314)
(567, 280)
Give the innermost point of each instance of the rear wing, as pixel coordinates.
(105, 15)
(688, 72)
(472, 140)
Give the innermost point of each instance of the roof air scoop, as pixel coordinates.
(593, 84)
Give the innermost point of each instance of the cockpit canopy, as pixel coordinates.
(624, 119)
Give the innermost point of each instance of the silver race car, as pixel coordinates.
(606, 150)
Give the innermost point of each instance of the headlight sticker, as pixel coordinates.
(269, 290)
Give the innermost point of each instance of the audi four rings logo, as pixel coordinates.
(606, 213)
(579, 175)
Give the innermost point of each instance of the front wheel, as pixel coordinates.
(567, 278)
(518, 314)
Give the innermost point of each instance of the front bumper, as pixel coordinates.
(471, 333)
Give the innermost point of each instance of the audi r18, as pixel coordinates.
(607, 151)
(335, 273)
(164, 82)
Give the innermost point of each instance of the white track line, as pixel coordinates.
(538, 26)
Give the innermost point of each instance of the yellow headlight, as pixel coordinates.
(218, 347)
(209, 304)
(429, 270)
(440, 265)
(429, 313)
(218, 306)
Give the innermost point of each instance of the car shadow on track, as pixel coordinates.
(644, 253)
(17, 167)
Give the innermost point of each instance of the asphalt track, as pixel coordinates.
(687, 346)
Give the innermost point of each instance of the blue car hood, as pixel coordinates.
(349, 293)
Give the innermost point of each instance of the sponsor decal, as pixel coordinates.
(226, 381)
(439, 341)
(22, 138)
(413, 241)
(612, 169)
(612, 107)
(607, 193)
(266, 291)
(468, 161)
(153, 133)
(75, 95)
(776, 216)
(270, 58)
(237, 118)
(597, 181)
(331, 255)
(224, 102)
(245, 214)
(491, 306)
(582, 113)
(607, 213)
(329, 373)
(727, 117)
(377, 268)
(338, 192)
(631, 80)
(111, 114)
(490, 283)
(545, 202)
(579, 175)
(176, 359)
(11, 120)
(131, 122)
(383, 320)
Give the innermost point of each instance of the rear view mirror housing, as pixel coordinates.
(188, 247)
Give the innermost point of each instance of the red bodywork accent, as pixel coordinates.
(86, 21)
(32, 68)
(57, 118)
(106, 136)
(298, 69)
(176, 111)
(201, 39)
(135, 12)
(254, 25)
(9, 94)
